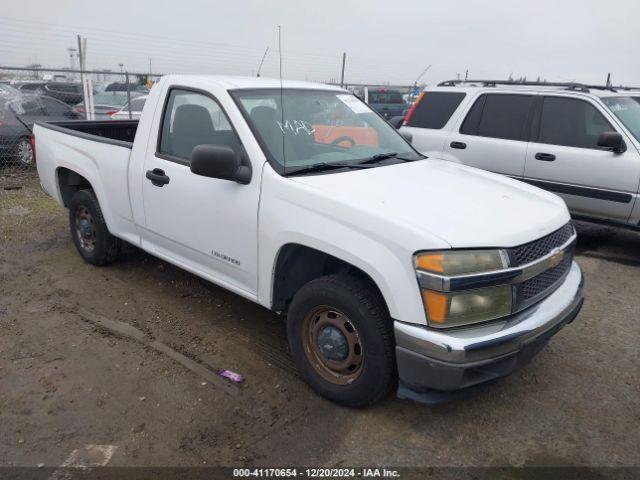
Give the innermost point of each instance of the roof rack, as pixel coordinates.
(492, 83)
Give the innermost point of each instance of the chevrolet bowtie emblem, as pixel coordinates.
(557, 256)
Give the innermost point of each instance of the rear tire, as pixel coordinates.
(341, 338)
(89, 231)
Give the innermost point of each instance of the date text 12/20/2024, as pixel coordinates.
(316, 472)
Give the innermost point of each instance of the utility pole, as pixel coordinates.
(121, 65)
(466, 75)
(344, 59)
(87, 88)
(608, 79)
(72, 52)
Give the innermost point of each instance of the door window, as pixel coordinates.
(571, 122)
(499, 116)
(191, 119)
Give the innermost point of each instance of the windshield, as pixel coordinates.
(318, 127)
(628, 112)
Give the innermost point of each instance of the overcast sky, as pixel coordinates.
(390, 41)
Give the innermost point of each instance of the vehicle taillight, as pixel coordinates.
(111, 112)
(413, 107)
(32, 139)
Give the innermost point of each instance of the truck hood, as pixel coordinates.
(461, 205)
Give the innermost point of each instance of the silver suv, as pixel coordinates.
(581, 142)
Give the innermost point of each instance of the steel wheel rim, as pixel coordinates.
(339, 371)
(85, 229)
(25, 152)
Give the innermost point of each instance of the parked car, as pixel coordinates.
(581, 142)
(67, 92)
(106, 104)
(388, 103)
(30, 87)
(8, 91)
(122, 87)
(297, 196)
(133, 111)
(17, 116)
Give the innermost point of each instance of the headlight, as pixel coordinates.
(466, 307)
(462, 261)
(463, 307)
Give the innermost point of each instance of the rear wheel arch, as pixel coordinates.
(69, 182)
(297, 265)
(89, 231)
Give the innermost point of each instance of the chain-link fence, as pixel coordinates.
(28, 95)
(32, 94)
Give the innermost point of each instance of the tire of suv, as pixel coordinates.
(341, 338)
(89, 231)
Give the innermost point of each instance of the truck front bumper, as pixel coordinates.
(435, 366)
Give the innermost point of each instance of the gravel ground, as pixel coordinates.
(113, 357)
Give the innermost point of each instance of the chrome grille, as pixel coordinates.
(532, 251)
(538, 285)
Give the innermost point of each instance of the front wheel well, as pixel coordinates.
(69, 183)
(298, 264)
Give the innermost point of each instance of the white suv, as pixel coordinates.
(581, 142)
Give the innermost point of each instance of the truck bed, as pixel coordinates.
(115, 132)
(98, 152)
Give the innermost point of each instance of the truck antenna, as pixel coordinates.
(281, 93)
(262, 61)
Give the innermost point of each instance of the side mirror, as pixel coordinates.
(407, 136)
(612, 141)
(219, 161)
(396, 122)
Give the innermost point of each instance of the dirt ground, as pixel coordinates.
(109, 357)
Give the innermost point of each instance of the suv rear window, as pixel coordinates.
(499, 116)
(434, 109)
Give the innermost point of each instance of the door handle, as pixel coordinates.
(545, 157)
(157, 177)
(458, 145)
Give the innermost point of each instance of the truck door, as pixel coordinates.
(564, 158)
(493, 135)
(205, 225)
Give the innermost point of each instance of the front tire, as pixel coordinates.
(341, 338)
(89, 231)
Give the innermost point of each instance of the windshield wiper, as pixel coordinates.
(321, 167)
(383, 156)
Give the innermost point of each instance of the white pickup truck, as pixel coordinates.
(394, 271)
